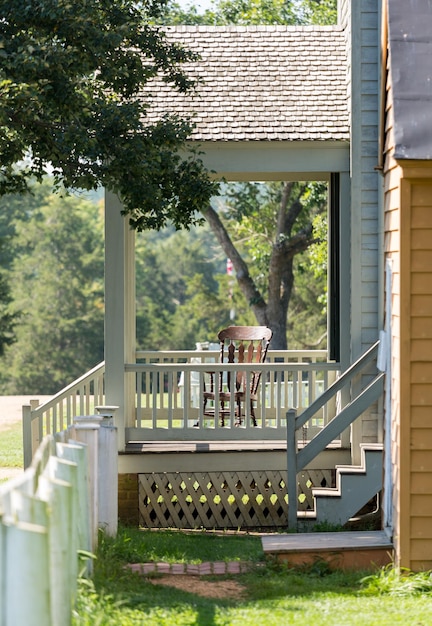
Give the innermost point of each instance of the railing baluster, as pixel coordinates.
(170, 376)
(248, 415)
(186, 397)
(139, 381)
(292, 469)
(54, 421)
(155, 382)
(325, 407)
(262, 404)
(280, 391)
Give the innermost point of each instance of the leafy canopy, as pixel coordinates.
(71, 84)
(256, 12)
(56, 279)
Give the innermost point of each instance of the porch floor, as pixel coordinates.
(140, 447)
(342, 550)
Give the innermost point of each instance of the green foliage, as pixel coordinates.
(280, 231)
(72, 79)
(134, 545)
(272, 595)
(8, 320)
(255, 12)
(57, 286)
(11, 447)
(397, 582)
(172, 268)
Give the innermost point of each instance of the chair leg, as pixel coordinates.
(254, 422)
(238, 421)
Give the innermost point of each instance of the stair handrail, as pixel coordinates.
(338, 384)
(298, 459)
(39, 414)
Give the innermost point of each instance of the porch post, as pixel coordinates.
(119, 314)
(345, 290)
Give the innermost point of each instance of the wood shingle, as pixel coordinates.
(261, 83)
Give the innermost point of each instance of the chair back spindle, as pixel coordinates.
(238, 344)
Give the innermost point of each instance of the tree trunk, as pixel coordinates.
(244, 279)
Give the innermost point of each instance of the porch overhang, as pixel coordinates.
(274, 160)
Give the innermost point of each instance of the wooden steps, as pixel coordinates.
(355, 486)
(363, 550)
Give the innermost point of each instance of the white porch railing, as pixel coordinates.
(169, 389)
(167, 403)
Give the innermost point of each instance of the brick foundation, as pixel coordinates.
(128, 506)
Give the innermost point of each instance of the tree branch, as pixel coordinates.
(244, 279)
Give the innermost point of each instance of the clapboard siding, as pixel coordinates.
(365, 239)
(420, 323)
(392, 227)
(408, 244)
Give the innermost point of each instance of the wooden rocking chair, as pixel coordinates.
(238, 344)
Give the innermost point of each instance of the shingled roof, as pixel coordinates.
(262, 83)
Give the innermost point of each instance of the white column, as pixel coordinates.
(119, 314)
(345, 289)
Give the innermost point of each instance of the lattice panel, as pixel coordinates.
(307, 480)
(232, 500)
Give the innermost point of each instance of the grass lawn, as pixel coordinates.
(11, 447)
(270, 595)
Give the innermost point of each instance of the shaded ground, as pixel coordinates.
(206, 588)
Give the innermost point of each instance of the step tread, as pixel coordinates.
(307, 542)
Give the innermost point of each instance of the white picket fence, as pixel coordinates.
(49, 521)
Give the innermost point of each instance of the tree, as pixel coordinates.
(72, 79)
(169, 264)
(57, 285)
(272, 224)
(244, 12)
(8, 320)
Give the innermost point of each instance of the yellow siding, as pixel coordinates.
(392, 228)
(408, 246)
(414, 432)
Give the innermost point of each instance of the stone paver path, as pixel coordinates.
(202, 569)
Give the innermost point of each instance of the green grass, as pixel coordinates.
(274, 595)
(11, 447)
(171, 546)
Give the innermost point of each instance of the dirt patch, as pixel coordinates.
(6, 473)
(217, 589)
(11, 409)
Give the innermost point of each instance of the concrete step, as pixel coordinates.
(362, 550)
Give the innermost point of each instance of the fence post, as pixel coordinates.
(292, 468)
(87, 431)
(108, 471)
(27, 588)
(59, 495)
(77, 453)
(27, 435)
